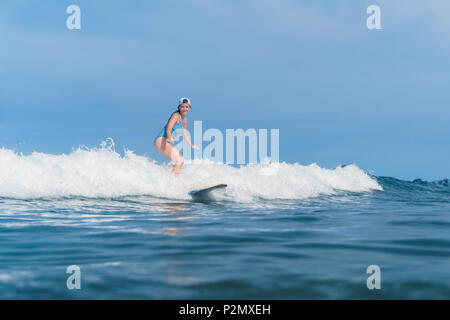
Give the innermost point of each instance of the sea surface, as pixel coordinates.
(279, 231)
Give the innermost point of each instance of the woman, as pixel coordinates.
(176, 124)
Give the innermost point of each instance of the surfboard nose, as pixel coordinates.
(204, 191)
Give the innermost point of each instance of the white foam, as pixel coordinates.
(102, 172)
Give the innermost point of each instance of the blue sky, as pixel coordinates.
(338, 92)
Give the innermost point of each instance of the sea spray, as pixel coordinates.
(104, 173)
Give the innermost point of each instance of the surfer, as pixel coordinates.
(177, 124)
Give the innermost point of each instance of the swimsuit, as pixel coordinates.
(175, 129)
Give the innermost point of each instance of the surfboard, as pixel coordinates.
(204, 192)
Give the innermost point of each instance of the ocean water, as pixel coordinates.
(277, 232)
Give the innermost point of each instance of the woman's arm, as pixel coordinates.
(186, 137)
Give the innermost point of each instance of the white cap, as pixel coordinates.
(184, 100)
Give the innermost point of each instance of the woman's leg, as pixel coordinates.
(170, 152)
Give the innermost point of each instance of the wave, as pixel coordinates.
(104, 173)
(395, 186)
